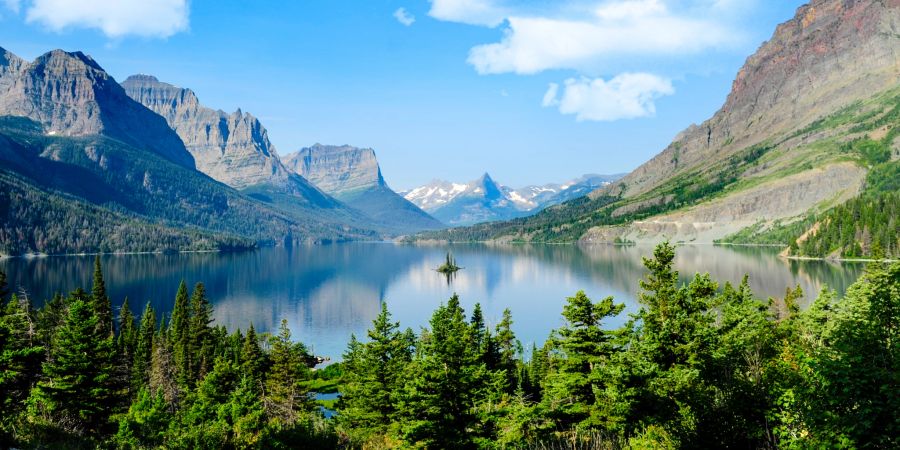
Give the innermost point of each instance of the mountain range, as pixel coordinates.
(485, 200)
(811, 122)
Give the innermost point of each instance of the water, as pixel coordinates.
(328, 292)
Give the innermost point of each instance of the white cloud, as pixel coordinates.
(403, 16)
(627, 96)
(550, 96)
(115, 18)
(472, 12)
(617, 29)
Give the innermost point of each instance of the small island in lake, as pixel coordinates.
(449, 265)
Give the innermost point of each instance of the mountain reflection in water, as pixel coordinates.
(328, 292)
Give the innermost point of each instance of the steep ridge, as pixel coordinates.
(74, 179)
(71, 95)
(231, 148)
(832, 53)
(353, 176)
(786, 143)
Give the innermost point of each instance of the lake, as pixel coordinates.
(329, 292)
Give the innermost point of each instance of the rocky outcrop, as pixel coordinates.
(71, 95)
(832, 53)
(338, 170)
(353, 176)
(787, 197)
(231, 148)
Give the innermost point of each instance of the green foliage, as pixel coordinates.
(695, 367)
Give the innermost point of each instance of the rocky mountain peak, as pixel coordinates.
(71, 95)
(337, 169)
(232, 148)
(830, 54)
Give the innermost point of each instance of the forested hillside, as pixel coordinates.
(698, 366)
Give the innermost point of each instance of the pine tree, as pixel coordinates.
(253, 361)
(581, 348)
(374, 375)
(78, 389)
(446, 382)
(100, 299)
(140, 368)
(285, 397)
(178, 335)
(508, 347)
(247, 416)
(199, 342)
(20, 361)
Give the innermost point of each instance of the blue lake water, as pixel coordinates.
(329, 292)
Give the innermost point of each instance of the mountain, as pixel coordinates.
(811, 119)
(551, 194)
(72, 96)
(484, 200)
(231, 148)
(353, 176)
(86, 168)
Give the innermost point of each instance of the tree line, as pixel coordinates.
(698, 365)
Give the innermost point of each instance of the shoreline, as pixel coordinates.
(489, 243)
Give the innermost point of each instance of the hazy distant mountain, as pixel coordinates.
(83, 167)
(485, 200)
(353, 176)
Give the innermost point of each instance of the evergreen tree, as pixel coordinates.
(253, 362)
(285, 396)
(20, 361)
(446, 381)
(374, 375)
(508, 347)
(78, 390)
(200, 341)
(247, 416)
(579, 351)
(143, 349)
(179, 336)
(100, 300)
(146, 423)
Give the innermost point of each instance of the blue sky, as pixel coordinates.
(529, 91)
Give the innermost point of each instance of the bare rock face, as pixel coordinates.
(337, 170)
(353, 176)
(832, 53)
(231, 148)
(71, 95)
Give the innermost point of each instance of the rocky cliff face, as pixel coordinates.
(353, 176)
(832, 53)
(231, 148)
(337, 170)
(71, 95)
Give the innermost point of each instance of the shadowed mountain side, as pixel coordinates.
(69, 94)
(117, 177)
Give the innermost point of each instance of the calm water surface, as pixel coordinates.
(328, 292)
